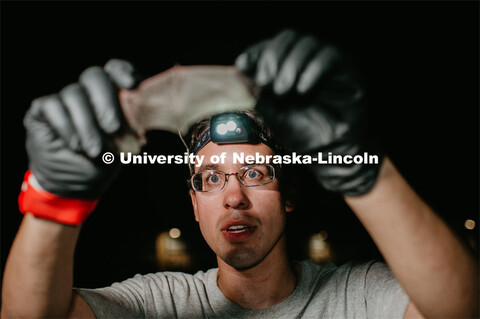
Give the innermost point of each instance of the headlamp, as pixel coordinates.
(228, 128)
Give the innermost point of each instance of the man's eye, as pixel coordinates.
(213, 179)
(253, 174)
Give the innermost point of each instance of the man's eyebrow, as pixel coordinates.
(208, 167)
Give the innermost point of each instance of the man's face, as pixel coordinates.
(241, 224)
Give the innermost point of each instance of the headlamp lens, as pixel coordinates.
(232, 128)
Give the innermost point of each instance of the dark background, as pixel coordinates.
(419, 61)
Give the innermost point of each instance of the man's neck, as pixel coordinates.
(261, 286)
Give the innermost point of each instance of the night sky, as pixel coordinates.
(419, 61)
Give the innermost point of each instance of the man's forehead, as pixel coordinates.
(212, 149)
(219, 156)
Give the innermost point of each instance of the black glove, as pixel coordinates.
(313, 101)
(68, 132)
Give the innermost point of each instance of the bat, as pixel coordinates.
(177, 98)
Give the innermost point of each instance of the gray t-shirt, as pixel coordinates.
(366, 290)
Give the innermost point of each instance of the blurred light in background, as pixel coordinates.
(174, 233)
(319, 249)
(470, 224)
(171, 251)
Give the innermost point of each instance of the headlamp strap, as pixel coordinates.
(204, 139)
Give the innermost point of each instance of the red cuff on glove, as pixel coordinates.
(46, 205)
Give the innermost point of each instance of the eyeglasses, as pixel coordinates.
(248, 176)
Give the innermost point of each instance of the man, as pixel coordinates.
(312, 100)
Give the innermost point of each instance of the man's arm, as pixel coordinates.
(38, 274)
(437, 272)
(66, 134)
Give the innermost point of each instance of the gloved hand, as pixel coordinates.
(313, 101)
(68, 132)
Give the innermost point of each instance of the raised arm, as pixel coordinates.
(66, 136)
(38, 275)
(438, 273)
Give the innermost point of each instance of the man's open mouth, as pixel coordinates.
(237, 232)
(238, 228)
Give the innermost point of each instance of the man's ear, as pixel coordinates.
(289, 206)
(193, 196)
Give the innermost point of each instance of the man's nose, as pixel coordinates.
(234, 194)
